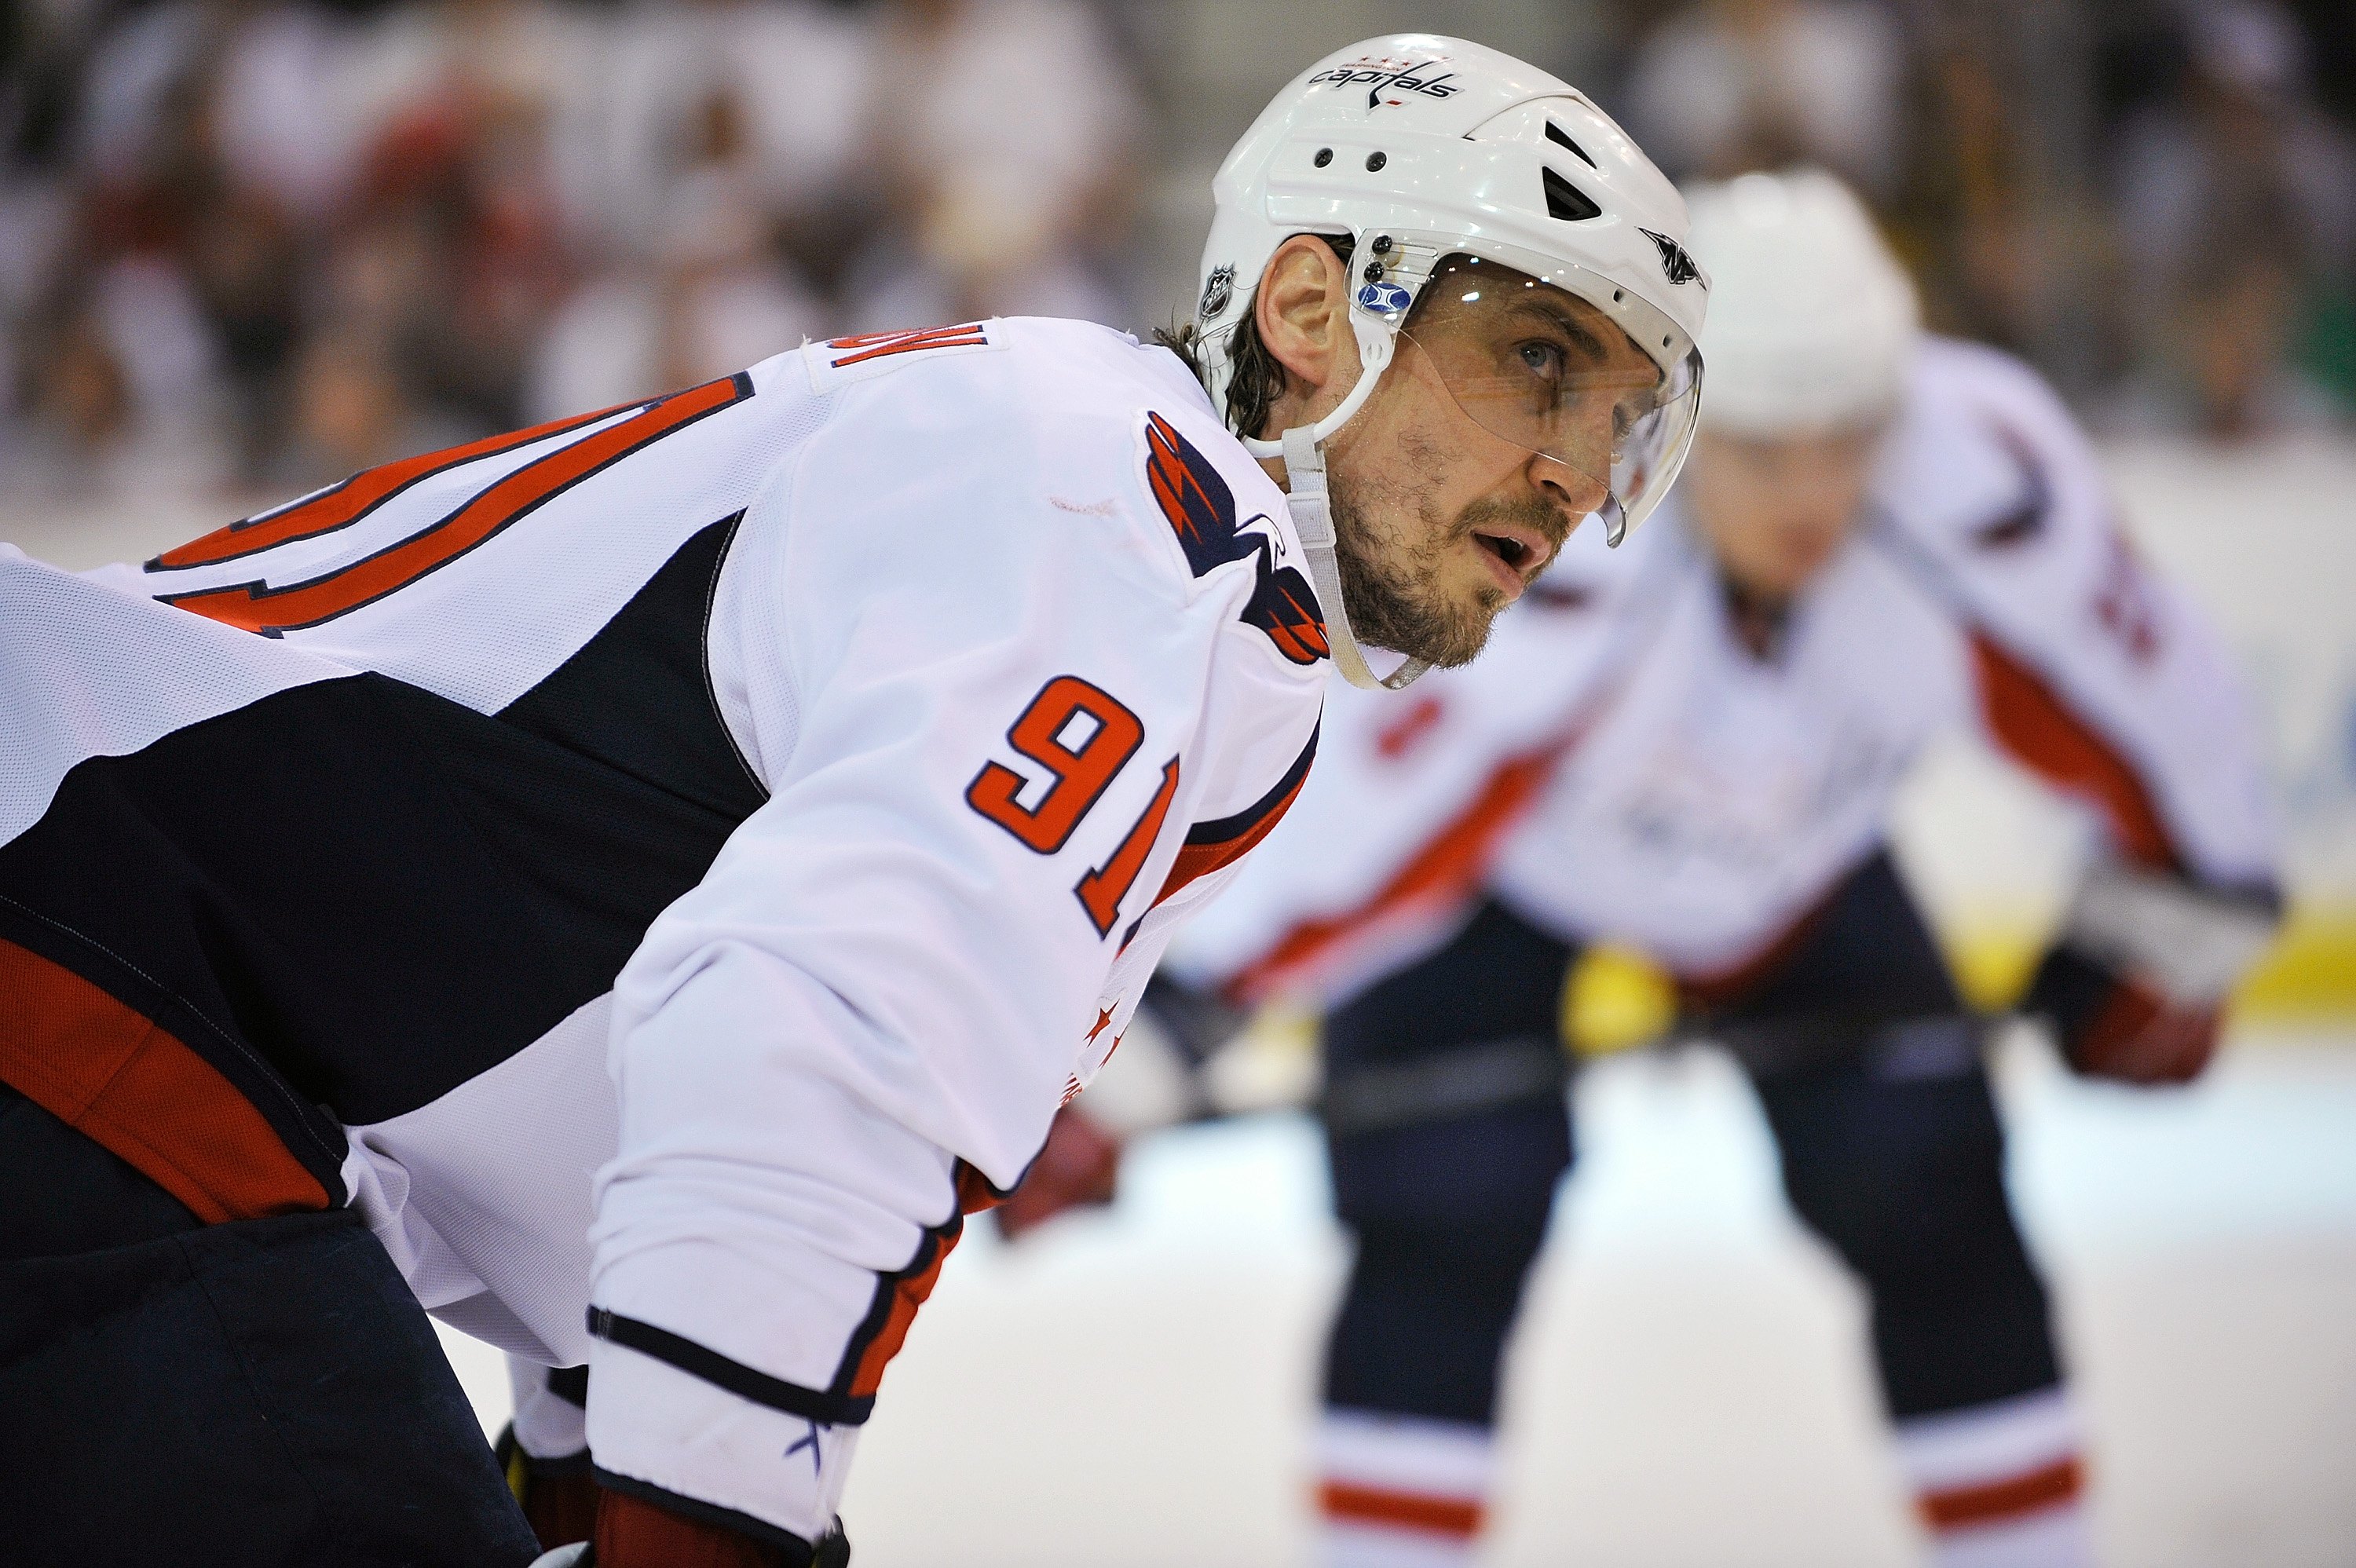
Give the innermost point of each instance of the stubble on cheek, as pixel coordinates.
(1394, 548)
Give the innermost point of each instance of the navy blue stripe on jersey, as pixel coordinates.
(1252, 821)
(833, 1408)
(371, 893)
(1213, 846)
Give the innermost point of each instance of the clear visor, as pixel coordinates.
(1537, 365)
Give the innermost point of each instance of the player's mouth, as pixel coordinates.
(1515, 554)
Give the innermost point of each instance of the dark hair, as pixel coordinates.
(1260, 376)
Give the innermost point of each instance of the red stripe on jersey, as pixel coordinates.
(1213, 846)
(908, 1292)
(879, 345)
(107, 1071)
(1198, 860)
(2033, 724)
(254, 607)
(1958, 1507)
(1459, 1518)
(901, 1294)
(356, 497)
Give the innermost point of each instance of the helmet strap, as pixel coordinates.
(1303, 451)
(1376, 341)
(1313, 519)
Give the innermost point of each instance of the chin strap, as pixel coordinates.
(1312, 510)
(1313, 519)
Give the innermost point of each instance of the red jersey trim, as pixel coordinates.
(1459, 1518)
(1215, 846)
(2047, 1487)
(140, 1093)
(900, 1294)
(882, 345)
(346, 503)
(261, 608)
(2034, 724)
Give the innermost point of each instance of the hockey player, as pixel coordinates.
(1693, 751)
(630, 886)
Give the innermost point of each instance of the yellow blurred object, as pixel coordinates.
(1274, 1062)
(2310, 973)
(1615, 999)
(1993, 965)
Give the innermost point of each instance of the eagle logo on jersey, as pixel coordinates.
(1675, 260)
(1201, 510)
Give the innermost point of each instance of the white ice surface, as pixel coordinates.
(1132, 1390)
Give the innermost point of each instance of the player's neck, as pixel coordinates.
(1757, 617)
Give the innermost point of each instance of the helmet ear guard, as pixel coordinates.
(1420, 146)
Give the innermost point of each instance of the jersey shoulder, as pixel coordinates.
(1102, 443)
(1986, 457)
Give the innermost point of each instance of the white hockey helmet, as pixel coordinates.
(1418, 147)
(1813, 323)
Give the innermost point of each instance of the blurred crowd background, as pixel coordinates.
(248, 246)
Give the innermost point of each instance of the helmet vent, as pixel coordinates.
(1566, 201)
(1561, 138)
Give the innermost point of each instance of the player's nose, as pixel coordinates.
(1574, 495)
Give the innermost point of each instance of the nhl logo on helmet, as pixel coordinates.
(1675, 261)
(1216, 291)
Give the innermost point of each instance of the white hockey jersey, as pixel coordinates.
(675, 859)
(1620, 766)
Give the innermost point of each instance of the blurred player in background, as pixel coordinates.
(633, 884)
(1692, 749)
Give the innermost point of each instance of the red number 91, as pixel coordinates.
(1082, 771)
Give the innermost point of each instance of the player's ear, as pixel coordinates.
(1302, 311)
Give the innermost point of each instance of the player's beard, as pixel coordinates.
(1392, 582)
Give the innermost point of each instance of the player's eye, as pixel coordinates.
(1541, 359)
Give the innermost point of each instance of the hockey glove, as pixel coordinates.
(558, 1497)
(1077, 1168)
(2137, 985)
(544, 1451)
(2111, 1026)
(635, 1533)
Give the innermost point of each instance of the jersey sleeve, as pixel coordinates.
(2092, 669)
(986, 697)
